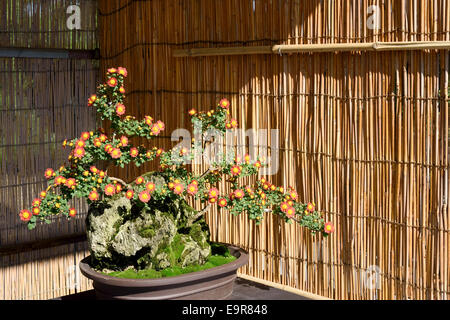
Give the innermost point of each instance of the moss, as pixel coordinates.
(214, 260)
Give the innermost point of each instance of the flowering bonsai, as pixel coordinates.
(148, 223)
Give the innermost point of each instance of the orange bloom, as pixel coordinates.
(192, 112)
(310, 207)
(59, 180)
(228, 125)
(223, 202)
(72, 212)
(36, 211)
(43, 194)
(120, 109)
(178, 188)
(80, 144)
(85, 136)
(171, 185)
(224, 103)
(144, 196)
(103, 138)
(139, 180)
(108, 148)
(94, 170)
(71, 182)
(123, 72)
(236, 170)
(49, 173)
(192, 189)
(110, 190)
(112, 70)
(257, 164)
(112, 82)
(239, 194)
(93, 195)
(36, 202)
(148, 120)
(116, 153)
(329, 227)
(122, 90)
(25, 215)
(290, 212)
(79, 152)
(213, 193)
(118, 188)
(124, 141)
(155, 129)
(293, 195)
(134, 152)
(92, 100)
(129, 194)
(247, 158)
(97, 142)
(150, 186)
(284, 206)
(212, 200)
(158, 153)
(234, 123)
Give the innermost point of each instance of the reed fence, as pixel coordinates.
(365, 135)
(42, 102)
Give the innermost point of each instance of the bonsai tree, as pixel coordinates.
(148, 223)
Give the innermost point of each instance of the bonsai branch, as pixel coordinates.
(198, 215)
(120, 181)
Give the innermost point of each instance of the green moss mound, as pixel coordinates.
(220, 255)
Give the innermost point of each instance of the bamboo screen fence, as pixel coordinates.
(365, 135)
(42, 102)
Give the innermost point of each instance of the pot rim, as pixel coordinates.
(231, 267)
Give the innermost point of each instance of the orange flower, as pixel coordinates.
(293, 195)
(284, 206)
(228, 125)
(112, 70)
(224, 103)
(195, 182)
(234, 123)
(257, 164)
(112, 82)
(93, 195)
(148, 120)
(212, 200)
(36, 211)
(59, 180)
(150, 186)
(134, 152)
(213, 193)
(25, 215)
(97, 142)
(116, 153)
(118, 188)
(110, 190)
(79, 153)
(124, 141)
(108, 148)
(192, 189)
(139, 180)
(85, 136)
(310, 207)
(120, 109)
(158, 153)
(236, 170)
(290, 212)
(80, 144)
(239, 194)
(247, 158)
(329, 227)
(155, 129)
(103, 138)
(94, 170)
(161, 125)
(223, 202)
(123, 72)
(122, 90)
(49, 173)
(92, 100)
(72, 212)
(192, 112)
(71, 182)
(144, 196)
(171, 185)
(249, 190)
(178, 188)
(129, 194)
(43, 194)
(36, 202)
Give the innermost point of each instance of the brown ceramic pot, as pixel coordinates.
(211, 284)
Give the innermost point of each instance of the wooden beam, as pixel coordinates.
(48, 53)
(310, 48)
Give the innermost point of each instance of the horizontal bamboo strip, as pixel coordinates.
(311, 48)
